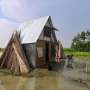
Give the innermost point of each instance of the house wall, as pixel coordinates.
(41, 49)
(30, 52)
(40, 53)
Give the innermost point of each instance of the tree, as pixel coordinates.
(81, 42)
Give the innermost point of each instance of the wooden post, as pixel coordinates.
(86, 68)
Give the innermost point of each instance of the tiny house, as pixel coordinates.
(38, 41)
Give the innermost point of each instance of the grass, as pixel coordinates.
(78, 54)
(2, 49)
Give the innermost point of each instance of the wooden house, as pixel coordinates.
(32, 45)
(38, 41)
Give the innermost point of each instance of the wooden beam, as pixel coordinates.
(51, 28)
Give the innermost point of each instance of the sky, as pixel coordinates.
(69, 16)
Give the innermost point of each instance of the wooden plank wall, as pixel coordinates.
(40, 60)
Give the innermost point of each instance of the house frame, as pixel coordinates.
(39, 41)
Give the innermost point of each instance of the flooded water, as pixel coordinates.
(40, 79)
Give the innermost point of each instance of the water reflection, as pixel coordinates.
(40, 79)
(12, 83)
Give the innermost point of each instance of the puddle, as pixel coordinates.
(41, 79)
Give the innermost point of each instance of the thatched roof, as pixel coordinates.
(13, 57)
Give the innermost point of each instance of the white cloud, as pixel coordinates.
(6, 29)
(21, 10)
(12, 9)
(16, 10)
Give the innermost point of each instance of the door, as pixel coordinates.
(47, 52)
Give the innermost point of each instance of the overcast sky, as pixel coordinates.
(69, 16)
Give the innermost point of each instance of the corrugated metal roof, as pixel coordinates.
(30, 31)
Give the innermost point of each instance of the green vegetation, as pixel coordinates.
(78, 54)
(80, 46)
(1, 49)
(81, 42)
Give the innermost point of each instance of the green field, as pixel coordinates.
(77, 53)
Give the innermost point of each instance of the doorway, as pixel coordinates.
(47, 52)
